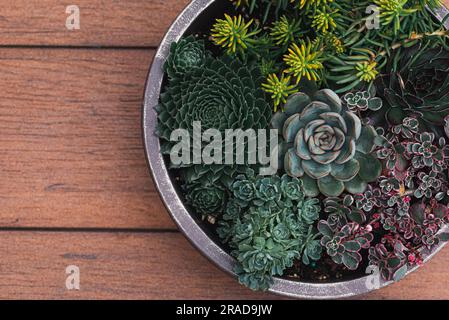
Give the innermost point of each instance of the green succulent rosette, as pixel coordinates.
(222, 94)
(417, 85)
(186, 54)
(206, 199)
(327, 145)
(269, 224)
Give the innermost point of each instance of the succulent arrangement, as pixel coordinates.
(357, 95)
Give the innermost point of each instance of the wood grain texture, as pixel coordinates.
(143, 266)
(71, 141)
(103, 22)
(112, 266)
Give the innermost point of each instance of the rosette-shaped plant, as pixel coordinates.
(310, 210)
(184, 55)
(418, 85)
(221, 94)
(362, 100)
(328, 146)
(206, 199)
(269, 224)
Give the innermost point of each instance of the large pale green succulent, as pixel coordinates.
(327, 144)
(221, 93)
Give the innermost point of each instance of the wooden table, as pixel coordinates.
(74, 185)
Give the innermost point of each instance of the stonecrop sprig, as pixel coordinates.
(279, 88)
(324, 20)
(356, 71)
(234, 34)
(285, 31)
(304, 60)
(391, 12)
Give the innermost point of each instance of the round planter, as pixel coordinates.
(194, 229)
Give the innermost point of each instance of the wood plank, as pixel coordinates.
(102, 22)
(149, 266)
(71, 142)
(112, 266)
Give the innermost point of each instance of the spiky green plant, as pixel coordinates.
(391, 12)
(324, 20)
(304, 60)
(310, 3)
(279, 88)
(234, 34)
(366, 71)
(330, 43)
(285, 31)
(266, 8)
(353, 71)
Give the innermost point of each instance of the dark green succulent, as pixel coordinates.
(206, 199)
(312, 249)
(328, 146)
(243, 190)
(409, 127)
(292, 188)
(344, 244)
(185, 55)
(418, 85)
(222, 94)
(342, 210)
(423, 150)
(268, 223)
(369, 199)
(392, 263)
(310, 210)
(268, 189)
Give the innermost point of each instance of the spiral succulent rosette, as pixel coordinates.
(328, 146)
(219, 93)
(418, 87)
(363, 130)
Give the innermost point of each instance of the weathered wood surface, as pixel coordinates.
(71, 140)
(138, 23)
(149, 265)
(74, 185)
